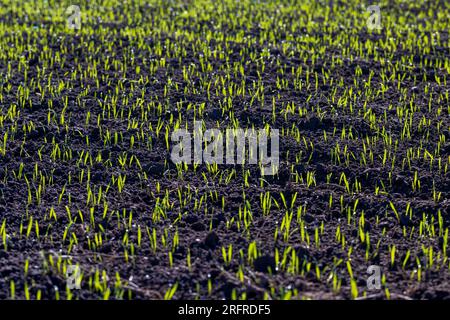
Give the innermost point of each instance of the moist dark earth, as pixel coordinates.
(199, 207)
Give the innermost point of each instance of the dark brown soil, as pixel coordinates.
(203, 233)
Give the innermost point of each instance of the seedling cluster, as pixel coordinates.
(86, 179)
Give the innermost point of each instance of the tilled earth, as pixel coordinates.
(54, 213)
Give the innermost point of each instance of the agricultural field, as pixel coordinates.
(93, 207)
